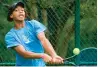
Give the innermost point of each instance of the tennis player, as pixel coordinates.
(27, 39)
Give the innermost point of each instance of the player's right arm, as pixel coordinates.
(27, 54)
(11, 42)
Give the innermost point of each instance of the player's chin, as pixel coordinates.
(21, 19)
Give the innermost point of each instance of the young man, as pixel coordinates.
(28, 40)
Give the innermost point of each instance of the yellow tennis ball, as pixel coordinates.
(76, 51)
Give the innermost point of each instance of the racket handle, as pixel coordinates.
(64, 60)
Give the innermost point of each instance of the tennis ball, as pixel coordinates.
(76, 51)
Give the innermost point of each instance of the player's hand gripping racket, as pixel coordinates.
(66, 61)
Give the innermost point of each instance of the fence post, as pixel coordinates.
(77, 27)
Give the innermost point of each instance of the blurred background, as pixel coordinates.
(59, 18)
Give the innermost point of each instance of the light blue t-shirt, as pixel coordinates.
(27, 37)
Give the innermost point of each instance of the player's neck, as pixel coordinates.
(19, 24)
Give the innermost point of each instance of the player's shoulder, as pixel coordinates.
(9, 34)
(32, 22)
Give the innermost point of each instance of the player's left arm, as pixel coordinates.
(48, 47)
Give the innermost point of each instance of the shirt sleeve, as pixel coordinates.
(10, 41)
(38, 27)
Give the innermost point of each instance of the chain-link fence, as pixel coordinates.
(59, 18)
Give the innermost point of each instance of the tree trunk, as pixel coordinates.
(63, 39)
(34, 11)
(44, 16)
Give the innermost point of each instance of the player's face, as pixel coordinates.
(18, 14)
